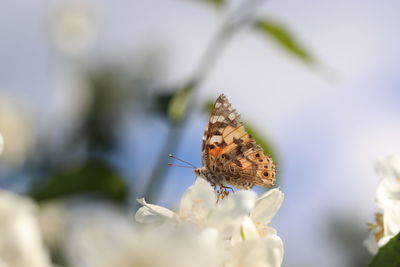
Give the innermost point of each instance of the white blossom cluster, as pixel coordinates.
(231, 232)
(20, 239)
(387, 222)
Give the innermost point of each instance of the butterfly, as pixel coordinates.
(229, 155)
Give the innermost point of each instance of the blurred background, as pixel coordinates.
(95, 94)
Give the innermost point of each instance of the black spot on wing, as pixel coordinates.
(211, 146)
(222, 144)
(237, 162)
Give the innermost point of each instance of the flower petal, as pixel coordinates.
(267, 206)
(150, 213)
(388, 169)
(383, 241)
(274, 250)
(197, 202)
(260, 252)
(20, 234)
(391, 219)
(371, 244)
(231, 211)
(246, 231)
(249, 230)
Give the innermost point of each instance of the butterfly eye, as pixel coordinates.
(257, 155)
(266, 174)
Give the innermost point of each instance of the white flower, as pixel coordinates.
(73, 29)
(257, 223)
(199, 206)
(388, 191)
(20, 240)
(17, 131)
(265, 208)
(387, 223)
(257, 244)
(103, 237)
(376, 233)
(391, 222)
(150, 213)
(54, 217)
(240, 219)
(261, 252)
(386, 226)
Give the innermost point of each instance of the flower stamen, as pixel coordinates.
(377, 227)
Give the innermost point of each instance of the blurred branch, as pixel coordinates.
(240, 17)
(181, 105)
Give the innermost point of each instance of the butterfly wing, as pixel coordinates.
(230, 153)
(250, 167)
(218, 122)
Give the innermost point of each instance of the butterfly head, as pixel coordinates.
(201, 172)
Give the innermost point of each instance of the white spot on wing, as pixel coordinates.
(232, 116)
(216, 139)
(213, 119)
(217, 105)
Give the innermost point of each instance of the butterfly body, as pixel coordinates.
(229, 155)
(221, 179)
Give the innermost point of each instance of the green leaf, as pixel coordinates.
(217, 3)
(178, 105)
(93, 176)
(388, 255)
(208, 106)
(284, 38)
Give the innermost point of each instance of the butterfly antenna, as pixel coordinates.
(184, 161)
(181, 166)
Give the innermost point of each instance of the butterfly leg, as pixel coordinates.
(214, 186)
(221, 194)
(223, 191)
(217, 191)
(226, 189)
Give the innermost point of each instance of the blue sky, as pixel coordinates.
(328, 126)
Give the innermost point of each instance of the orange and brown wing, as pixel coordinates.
(222, 116)
(229, 150)
(251, 167)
